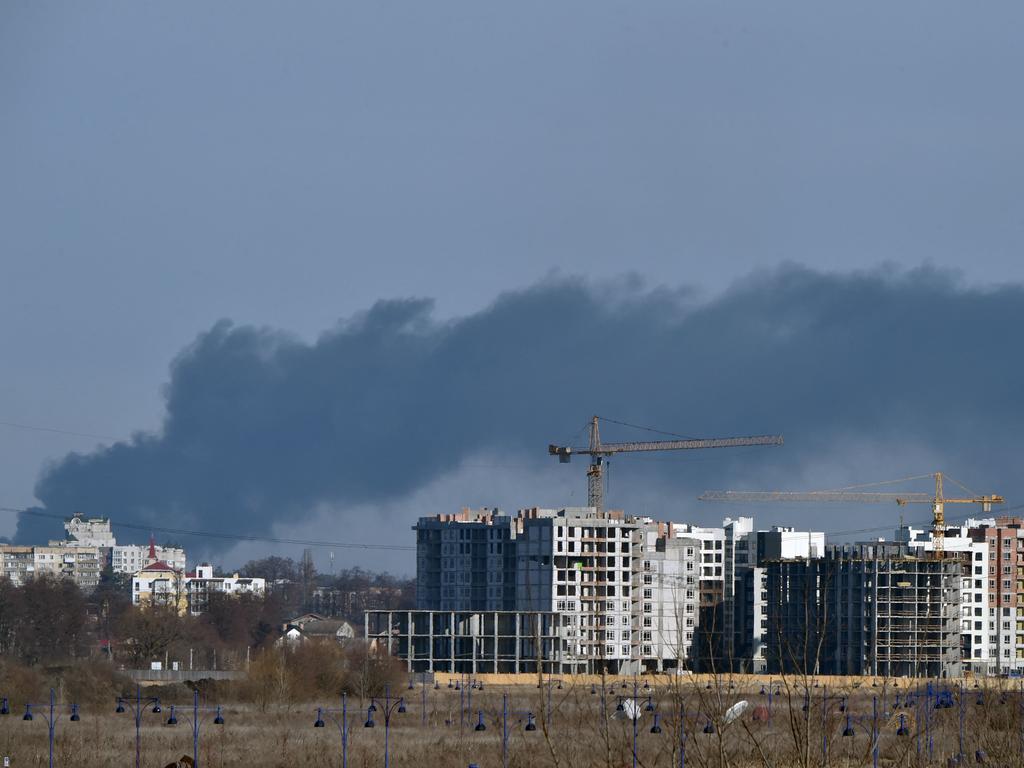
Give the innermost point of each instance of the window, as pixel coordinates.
(648, 594)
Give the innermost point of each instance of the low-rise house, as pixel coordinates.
(160, 584)
(312, 626)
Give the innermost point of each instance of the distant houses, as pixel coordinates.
(316, 628)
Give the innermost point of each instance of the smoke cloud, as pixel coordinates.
(869, 376)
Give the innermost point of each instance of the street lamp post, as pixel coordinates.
(196, 721)
(389, 708)
(634, 715)
(531, 725)
(137, 708)
(342, 724)
(51, 718)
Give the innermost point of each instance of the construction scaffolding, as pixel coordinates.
(865, 610)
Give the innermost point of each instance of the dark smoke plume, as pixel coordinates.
(864, 373)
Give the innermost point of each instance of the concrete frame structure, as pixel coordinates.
(471, 642)
(865, 609)
(625, 586)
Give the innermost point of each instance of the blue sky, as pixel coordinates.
(166, 166)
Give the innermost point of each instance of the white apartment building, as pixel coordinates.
(668, 582)
(201, 584)
(88, 532)
(131, 558)
(726, 553)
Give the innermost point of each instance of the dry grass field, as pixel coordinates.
(577, 730)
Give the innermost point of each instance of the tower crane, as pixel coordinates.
(937, 501)
(599, 453)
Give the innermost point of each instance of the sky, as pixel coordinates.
(302, 186)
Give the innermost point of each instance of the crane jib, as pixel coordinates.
(605, 449)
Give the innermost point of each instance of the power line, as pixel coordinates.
(228, 536)
(391, 547)
(36, 428)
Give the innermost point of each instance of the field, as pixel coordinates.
(576, 726)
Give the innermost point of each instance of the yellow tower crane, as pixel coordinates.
(851, 494)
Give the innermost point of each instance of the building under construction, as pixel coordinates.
(864, 609)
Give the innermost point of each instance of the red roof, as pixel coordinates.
(159, 565)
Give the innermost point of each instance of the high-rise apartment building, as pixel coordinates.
(865, 609)
(620, 583)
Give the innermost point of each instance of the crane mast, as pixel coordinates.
(599, 452)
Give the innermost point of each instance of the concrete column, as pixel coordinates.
(430, 642)
(410, 650)
(519, 639)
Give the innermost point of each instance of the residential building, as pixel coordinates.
(978, 630)
(465, 561)
(129, 558)
(89, 532)
(865, 609)
(18, 563)
(159, 584)
(991, 552)
(1004, 582)
(726, 552)
(751, 605)
(313, 627)
(202, 583)
(617, 582)
(80, 564)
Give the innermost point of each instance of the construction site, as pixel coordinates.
(587, 590)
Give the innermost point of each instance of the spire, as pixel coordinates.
(152, 548)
